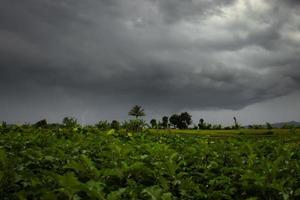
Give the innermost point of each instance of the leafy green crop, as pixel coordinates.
(87, 163)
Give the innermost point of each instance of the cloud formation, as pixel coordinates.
(167, 55)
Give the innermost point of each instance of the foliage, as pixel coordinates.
(42, 123)
(103, 125)
(165, 121)
(185, 119)
(174, 120)
(137, 111)
(217, 127)
(236, 124)
(201, 124)
(181, 121)
(134, 125)
(70, 122)
(86, 163)
(207, 126)
(269, 126)
(115, 125)
(256, 126)
(153, 123)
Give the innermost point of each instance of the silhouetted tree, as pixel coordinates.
(217, 127)
(201, 124)
(4, 124)
(165, 121)
(181, 121)
(103, 125)
(70, 122)
(269, 126)
(153, 123)
(174, 120)
(115, 125)
(236, 125)
(185, 119)
(41, 123)
(137, 111)
(208, 126)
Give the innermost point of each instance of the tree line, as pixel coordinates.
(181, 120)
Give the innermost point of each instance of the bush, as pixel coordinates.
(42, 123)
(134, 125)
(115, 125)
(103, 125)
(70, 122)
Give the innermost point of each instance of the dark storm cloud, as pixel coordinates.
(176, 10)
(293, 2)
(72, 56)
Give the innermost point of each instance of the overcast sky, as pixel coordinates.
(95, 59)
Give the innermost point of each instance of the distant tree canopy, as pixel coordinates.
(41, 123)
(70, 122)
(136, 111)
(181, 121)
(236, 124)
(174, 120)
(115, 125)
(153, 123)
(165, 121)
(185, 120)
(103, 125)
(269, 126)
(201, 124)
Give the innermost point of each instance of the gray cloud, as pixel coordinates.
(103, 56)
(176, 10)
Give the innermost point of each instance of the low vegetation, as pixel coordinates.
(132, 160)
(63, 162)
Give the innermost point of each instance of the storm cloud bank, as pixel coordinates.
(103, 56)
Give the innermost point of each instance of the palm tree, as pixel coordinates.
(136, 111)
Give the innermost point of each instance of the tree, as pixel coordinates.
(217, 127)
(137, 111)
(134, 125)
(185, 119)
(153, 123)
(70, 122)
(236, 125)
(174, 120)
(181, 121)
(103, 125)
(208, 126)
(41, 123)
(201, 124)
(165, 121)
(269, 126)
(115, 125)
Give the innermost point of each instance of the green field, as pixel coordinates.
(86, 163)
(219, 133)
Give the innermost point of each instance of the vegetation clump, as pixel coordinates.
(87, 163)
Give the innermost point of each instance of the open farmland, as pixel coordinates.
(85, 163)
(229, 133)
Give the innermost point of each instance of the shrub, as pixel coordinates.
(103, 125)
(115, 125)
(134, 125)
(70, 122)
(41, 123)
